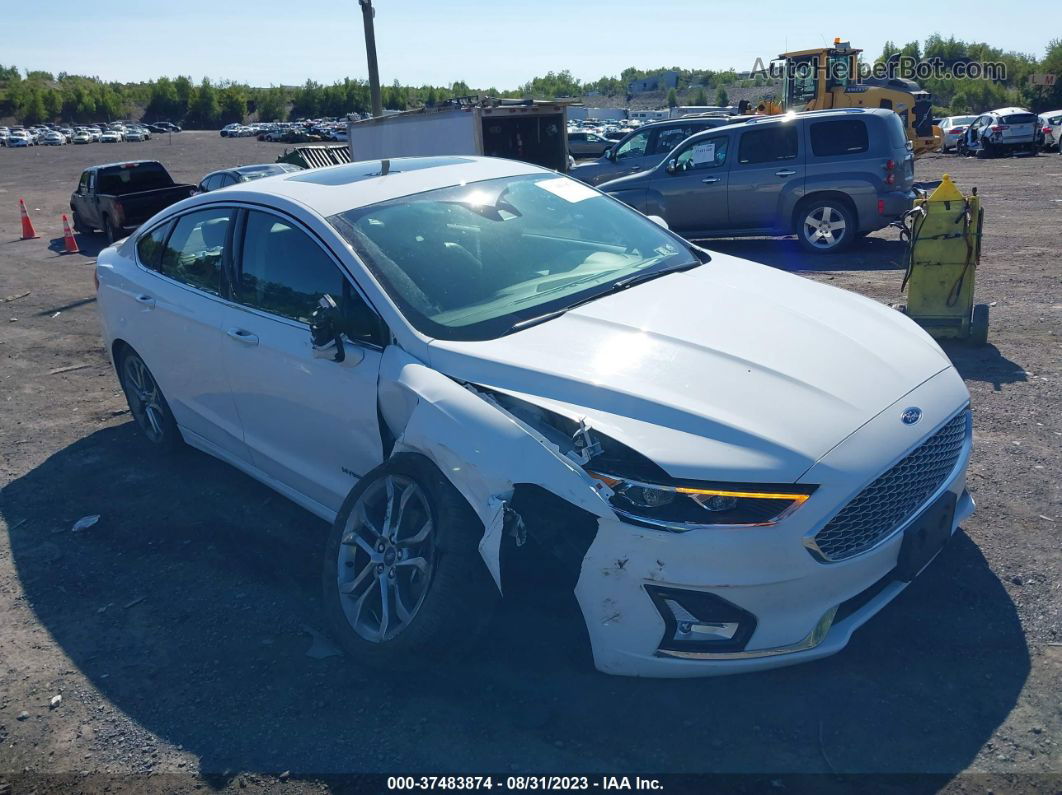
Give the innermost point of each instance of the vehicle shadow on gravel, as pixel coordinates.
(187, 607)
(984, 363)
(868, 254)
(88, 245)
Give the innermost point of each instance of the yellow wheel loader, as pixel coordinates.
(829, 78)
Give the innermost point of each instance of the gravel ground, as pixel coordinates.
(176, 629)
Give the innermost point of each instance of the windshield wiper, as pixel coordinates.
(615, 287)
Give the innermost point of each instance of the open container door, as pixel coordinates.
(533, 134)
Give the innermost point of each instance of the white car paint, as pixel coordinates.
(730, 372)
(952, 129)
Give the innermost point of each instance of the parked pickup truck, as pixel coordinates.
(116, 198)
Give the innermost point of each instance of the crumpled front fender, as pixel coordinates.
(481, 448)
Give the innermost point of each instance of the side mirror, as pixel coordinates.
(610, 154)
(672, 166)
(658, 220)
(325, 332)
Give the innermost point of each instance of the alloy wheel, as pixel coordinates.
(145, 400)
(386, 558)
(824, 227)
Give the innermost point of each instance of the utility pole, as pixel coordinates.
(367, 13)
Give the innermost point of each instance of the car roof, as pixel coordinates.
(121, 163)
(1008, 111)
(335, 189)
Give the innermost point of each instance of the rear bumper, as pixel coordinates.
(890, 207)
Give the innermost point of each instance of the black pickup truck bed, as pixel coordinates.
(119, 197)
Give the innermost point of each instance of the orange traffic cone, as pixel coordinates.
(68, 238)
(28, 232)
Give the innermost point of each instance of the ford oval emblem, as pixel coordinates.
(911, 415)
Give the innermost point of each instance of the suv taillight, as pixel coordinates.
(999, 127)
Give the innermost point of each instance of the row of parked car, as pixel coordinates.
(60, 135)
(304, 131)
(591, 138)
(1002, 131)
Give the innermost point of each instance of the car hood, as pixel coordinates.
(730, 371)
(593, 170)
(626, 182)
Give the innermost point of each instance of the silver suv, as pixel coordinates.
(1000, 132)
(826, 176)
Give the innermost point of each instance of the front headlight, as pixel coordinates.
(682, 508)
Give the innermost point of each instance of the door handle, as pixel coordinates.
(146, 300)
(785, 172)
(710, 180)
(242, 335)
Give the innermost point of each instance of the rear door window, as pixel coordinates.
(195, 249)
(150, 246)
(768, 145)
(841, 137)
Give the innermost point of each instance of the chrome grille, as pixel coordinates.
(893, 498)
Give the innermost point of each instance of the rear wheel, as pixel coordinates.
(404, 585)
(825, 226)
(146, 402)
(108, 230)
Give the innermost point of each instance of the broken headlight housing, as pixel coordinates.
(686, 507)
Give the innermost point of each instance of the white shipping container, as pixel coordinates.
(534, 133)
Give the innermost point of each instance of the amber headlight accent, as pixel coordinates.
(681, 508)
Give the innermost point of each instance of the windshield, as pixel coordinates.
(473, 261)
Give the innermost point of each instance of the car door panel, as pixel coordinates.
(310, 423)
(769, 165)
(177, 324)
(693, 197)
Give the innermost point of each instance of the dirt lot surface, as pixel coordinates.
(176, 629)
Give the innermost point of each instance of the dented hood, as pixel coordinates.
(730, 371)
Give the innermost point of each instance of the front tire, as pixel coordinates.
(825, 226)
(404, 585)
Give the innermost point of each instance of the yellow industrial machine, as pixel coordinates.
(828, 77)
(943, 230)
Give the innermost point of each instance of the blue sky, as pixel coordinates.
(498, 43)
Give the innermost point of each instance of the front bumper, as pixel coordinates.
(804, 609)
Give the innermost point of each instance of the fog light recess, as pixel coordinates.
(695, 621)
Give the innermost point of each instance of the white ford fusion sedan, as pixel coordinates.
(456, 360)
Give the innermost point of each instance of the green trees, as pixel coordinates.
(205, 110)
(272, 104)
(38, 96)
(233, 103)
